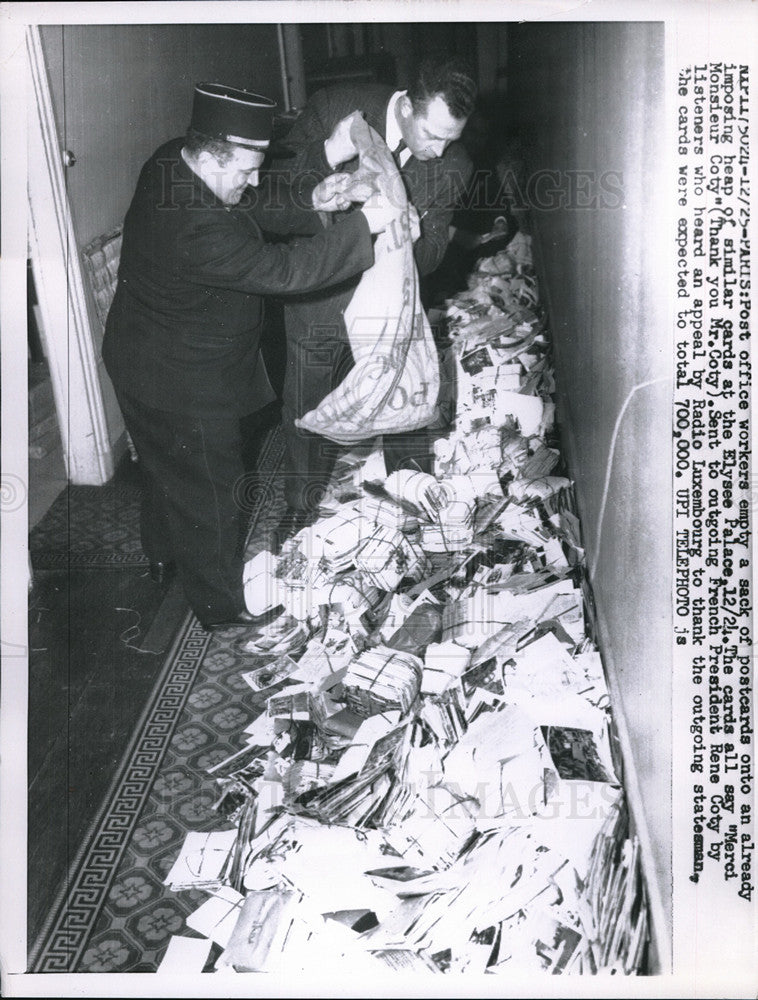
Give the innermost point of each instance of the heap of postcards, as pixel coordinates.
(431, 784)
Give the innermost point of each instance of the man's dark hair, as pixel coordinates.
(196, 143)
(449, 76)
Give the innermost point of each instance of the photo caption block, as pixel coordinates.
(714, 773)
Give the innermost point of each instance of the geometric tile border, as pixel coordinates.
(87, 560)
(64, 936)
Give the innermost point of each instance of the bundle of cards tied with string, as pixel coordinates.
(382, 679)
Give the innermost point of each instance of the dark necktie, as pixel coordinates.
(397, 151)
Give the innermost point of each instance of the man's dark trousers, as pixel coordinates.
(191, 510)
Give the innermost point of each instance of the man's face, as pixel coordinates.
(229, 180)
(429, 133)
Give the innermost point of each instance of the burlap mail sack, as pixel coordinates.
(394, 384)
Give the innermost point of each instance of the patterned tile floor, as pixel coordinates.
(114, 914)
(91, 526)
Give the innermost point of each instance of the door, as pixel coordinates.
(70, 349)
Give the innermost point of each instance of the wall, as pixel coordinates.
(492, 54)
(119, 91)
(588, 97)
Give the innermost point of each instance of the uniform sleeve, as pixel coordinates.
(430, 248)
(215, 253)
(280, 210)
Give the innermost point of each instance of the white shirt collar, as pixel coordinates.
(392, 132)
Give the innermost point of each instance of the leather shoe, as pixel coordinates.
(162, 572)
(242, 619)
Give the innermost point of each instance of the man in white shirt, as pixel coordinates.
(421, 126)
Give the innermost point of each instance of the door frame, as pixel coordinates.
(59, 284)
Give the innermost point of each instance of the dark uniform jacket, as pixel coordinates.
(183, 331)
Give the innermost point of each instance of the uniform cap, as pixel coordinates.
(234, 115)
